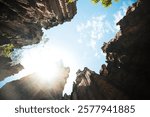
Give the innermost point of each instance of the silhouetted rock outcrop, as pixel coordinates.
(32, 87)
(92, 86)
(21, 22)
(6, 69)
(23, 19)
(66, 97)
(127, 73)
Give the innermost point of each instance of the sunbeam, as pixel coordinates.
(47, 61)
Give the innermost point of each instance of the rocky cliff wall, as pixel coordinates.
(6, 69)
(92, 86)
(21, 23)
(126, 75)
(22, 20)
(32, 87)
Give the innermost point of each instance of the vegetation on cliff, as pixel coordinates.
(105, 3)
(6, 50)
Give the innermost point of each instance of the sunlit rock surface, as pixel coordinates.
(6, 69)
(21, 22)
(92, 86)
(127, 74)
(32, 87)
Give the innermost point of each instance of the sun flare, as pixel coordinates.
(46, 62)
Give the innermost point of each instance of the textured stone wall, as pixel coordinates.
(32, 87)
(23, 19)
(21, 23)
(92, 86)
(127, 73)
(6, 69)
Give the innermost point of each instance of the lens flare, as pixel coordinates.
(46, 62)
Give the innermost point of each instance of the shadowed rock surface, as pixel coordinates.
(33, 88)
(21, 23)
(127, 74)
(6, 69)
(23, 19)
(92, 86)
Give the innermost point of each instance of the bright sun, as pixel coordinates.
(46, 61)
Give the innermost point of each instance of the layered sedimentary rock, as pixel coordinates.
(21, 22)
(126, 75)
(32, 87)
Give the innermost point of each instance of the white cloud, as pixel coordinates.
(118, 16)
(93, 44)
(80, 41)
(93, 30)
(121, 13)
(103, 54)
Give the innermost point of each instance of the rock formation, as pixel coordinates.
(92, 86)
(6, 69)
(127, 73)
(21, 23)
(33, 88)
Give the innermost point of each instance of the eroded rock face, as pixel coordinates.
(32, 87)
(129, 69)
(92, 86)
(23, 19)
(6, 69)
(21, 22)
(126, 75)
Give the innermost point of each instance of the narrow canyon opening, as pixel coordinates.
(43, 56)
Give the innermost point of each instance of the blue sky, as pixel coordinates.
(80, 40)
(85, 34)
